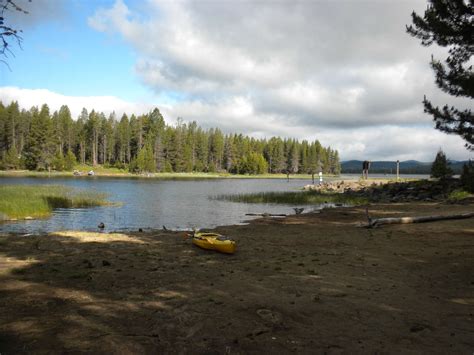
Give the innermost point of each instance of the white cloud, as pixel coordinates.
(28, 98)
(340, 64)
(391, 142)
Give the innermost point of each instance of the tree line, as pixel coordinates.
(37, 139)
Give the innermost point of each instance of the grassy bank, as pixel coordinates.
(294, 198)
(459, 195)
(20, 201)
(120, 173)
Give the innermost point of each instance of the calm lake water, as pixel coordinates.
(149, 203)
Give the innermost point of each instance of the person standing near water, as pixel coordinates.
(365, 169)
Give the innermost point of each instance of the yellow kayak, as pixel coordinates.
(214, 241)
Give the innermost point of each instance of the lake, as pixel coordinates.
(152, 204)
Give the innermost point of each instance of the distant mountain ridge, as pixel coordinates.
(390, 167)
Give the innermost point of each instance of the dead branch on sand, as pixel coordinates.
(265, 214)
(375, 222)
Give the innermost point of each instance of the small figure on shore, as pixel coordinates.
(101, 225)
(365, 169)
(320, 178)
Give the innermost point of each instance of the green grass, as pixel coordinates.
(294, 198)
(31, 173)
(20, 201)
(458, 195)
(101, 171)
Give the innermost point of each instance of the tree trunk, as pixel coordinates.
(95, 146)
(22, 144)
(375, 222)
(104, 149)
(83, 152)
(140, 137)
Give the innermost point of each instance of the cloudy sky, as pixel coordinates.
(341, 71)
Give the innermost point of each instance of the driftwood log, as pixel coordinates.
(265, 214)
(375, 222)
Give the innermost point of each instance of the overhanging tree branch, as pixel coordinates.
(449, 23)
(8, 34)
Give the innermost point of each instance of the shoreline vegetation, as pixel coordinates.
(295, 198)
(361, 192)
(121, 173)
(38, 201)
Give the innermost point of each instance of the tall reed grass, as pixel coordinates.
(20, 201)
(294, 198)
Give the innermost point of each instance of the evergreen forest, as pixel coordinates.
(37, 139)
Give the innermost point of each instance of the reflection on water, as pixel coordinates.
(148, 203)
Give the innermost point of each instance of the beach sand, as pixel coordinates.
(312, 283)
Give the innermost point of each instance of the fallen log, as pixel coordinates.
(375, 222)
(265, 214)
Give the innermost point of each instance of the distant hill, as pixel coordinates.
(390, 167)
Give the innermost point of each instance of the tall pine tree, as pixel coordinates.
(40, 148)
(449, 23)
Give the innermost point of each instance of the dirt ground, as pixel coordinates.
(315, 283)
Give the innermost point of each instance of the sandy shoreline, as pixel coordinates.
(305, 284)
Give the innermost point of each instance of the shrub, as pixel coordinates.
(12, 160)
(58, 162)
(467, 177)
(440, 168)
(457, 195)
(69, 161)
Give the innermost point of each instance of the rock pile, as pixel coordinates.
(344, 186)
(384, 191)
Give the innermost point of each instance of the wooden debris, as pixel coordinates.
(265, 214)
(375, 222)
(298, 210)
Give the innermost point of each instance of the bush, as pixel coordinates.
(168, 168)
(69, 161)
(58, 162)
(440, 168)
(120, 165)
(467, 177)
(133, 166)
(12, 160)
(252, 163)
(458, 195)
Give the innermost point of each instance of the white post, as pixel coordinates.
(320, 178)
(398, 170)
